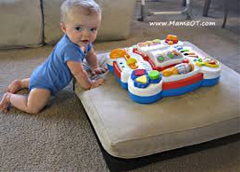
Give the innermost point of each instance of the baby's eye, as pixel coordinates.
(78, 28)
(93, 29)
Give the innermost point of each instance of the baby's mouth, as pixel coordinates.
(85, 41)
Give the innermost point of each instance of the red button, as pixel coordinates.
(139, 72)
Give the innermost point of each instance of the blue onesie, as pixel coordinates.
(54, 73)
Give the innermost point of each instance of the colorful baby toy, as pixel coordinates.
(154, 69)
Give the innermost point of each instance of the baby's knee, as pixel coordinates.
(33, 110)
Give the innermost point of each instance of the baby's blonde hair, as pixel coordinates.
(87, 7)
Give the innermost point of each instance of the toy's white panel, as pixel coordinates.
(155, 54)
(121, 63)
(179, 43)
(110, 61)
(210, 73)
(146, 49)
(186, 48)
(145, 65)
(126, 73)
(126, 70)
(151, 90)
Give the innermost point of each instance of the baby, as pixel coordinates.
(80, 20)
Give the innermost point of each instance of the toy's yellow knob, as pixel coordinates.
(131, 61)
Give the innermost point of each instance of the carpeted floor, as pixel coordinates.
(60, 137)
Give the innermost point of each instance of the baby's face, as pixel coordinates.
(82, 29)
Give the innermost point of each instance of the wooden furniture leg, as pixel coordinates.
(225, 13)
(206, 7)
(184, 3)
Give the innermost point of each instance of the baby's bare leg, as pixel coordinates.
(34, 103)
(5, 102)
(18, 84)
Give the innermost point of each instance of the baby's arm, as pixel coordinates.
(81, 76)
(91, 59)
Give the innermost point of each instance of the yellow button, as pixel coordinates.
(142, 79)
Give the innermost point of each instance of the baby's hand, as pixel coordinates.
(97, 83)
(99, 70)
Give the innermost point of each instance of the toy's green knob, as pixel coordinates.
(170, 55)
(161, 58)
(154, 74)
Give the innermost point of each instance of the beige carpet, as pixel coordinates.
(60, 137)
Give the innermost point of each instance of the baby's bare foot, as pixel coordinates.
(15, 86)
(5, 102)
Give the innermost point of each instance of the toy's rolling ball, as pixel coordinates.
(179, 69)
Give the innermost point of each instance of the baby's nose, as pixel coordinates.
(86, 32)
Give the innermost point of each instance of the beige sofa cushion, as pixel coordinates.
(128, 130)
(115, 20)
(51, 14)
(21, 23)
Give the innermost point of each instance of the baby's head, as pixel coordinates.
(80, 20)
(71, 7)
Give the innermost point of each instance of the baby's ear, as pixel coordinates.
(63, 27)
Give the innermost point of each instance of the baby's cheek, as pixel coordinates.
(94, 35)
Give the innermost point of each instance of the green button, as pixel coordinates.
(184, 50)
(161, 58)
(154, 74)
(170, 55)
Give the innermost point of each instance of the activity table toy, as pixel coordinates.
(155, 69)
